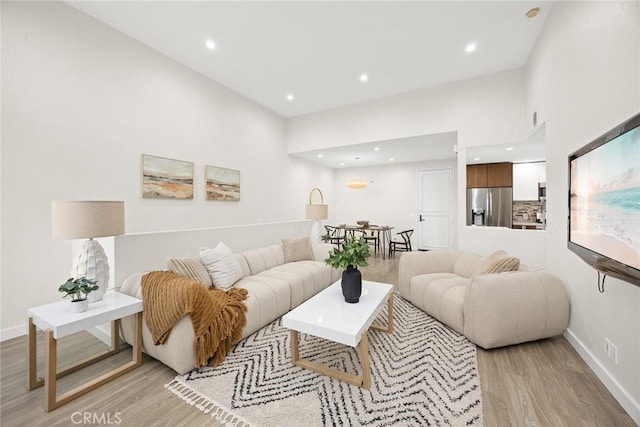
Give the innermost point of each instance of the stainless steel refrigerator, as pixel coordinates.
(489, 206)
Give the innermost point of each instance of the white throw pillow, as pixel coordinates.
(222, 265)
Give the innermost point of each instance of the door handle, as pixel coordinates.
(421, 218)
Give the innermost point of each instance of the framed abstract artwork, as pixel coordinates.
(164, 178)
(222, 183)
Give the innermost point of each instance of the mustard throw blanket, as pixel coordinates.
(218, 316)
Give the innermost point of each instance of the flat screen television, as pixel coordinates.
(604, 202)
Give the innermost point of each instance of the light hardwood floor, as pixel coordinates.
(544, 383)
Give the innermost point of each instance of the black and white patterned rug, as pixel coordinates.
(423, 374)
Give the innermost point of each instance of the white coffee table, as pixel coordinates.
(328, 316)
(57, 321)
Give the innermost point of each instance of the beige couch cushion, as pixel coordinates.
(514, 307)
(259, 260)
(190, 268)
(442, 296)
(305, 278)
(501, 265)
(297, 249)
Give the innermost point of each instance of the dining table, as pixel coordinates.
(384, 234)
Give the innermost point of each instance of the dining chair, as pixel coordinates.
(334, 234)
(401, 245)
(372, 236)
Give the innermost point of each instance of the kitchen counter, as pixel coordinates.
(527, 225)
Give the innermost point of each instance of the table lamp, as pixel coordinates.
(317, 213)
(88, 219)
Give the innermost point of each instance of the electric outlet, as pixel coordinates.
(611, 350)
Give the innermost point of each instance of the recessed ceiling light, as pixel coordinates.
(210, 44)
(319, 156)
(391, 159)
(475, 159)
(509, 148)
(342, 164)
(290, 97)
(376, 148)
(532, 13)
(364, 77)
(470, 47)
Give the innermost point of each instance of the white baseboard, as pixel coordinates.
(15, 332)
(102, 332)
(628, 403)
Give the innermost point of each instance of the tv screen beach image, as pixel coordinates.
(605, 199)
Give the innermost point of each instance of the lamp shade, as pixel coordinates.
(357, 184)
(86, 219)
(320, 211)
(317, 211)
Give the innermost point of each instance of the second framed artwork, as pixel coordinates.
(222, 183)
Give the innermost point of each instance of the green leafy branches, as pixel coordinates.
(352, 251)
(78, 288)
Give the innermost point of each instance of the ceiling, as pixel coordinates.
(530, 150)
(402, 150)
(317, 50)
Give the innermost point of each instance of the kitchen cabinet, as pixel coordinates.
(526, 177)
(499, 175)
(489, 175)
(476, 176)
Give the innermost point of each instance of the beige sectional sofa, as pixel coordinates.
(275, 287)
(492, 310)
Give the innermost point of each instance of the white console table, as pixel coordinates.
(58, 321)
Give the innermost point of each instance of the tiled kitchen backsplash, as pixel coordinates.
(529, 208)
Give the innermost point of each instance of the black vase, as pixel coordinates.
(351, 284)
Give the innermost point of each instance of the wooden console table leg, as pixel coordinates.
(50, 372)
(137, 340)
(32, 367)
(115, 336)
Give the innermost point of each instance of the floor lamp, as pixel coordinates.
(317, 213)
(88, 219)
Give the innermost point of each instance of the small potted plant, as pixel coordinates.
(351, 254)
(78, 289)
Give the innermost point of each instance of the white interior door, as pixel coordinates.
(435, 209)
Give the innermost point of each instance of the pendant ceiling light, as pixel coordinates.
(357, 183)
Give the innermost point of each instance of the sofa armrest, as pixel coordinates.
(510, 308)
(321, 251)
(416, 263)
(177, 351)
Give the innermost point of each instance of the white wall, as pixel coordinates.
(583, 79)
(81, 103)
(391, 198)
